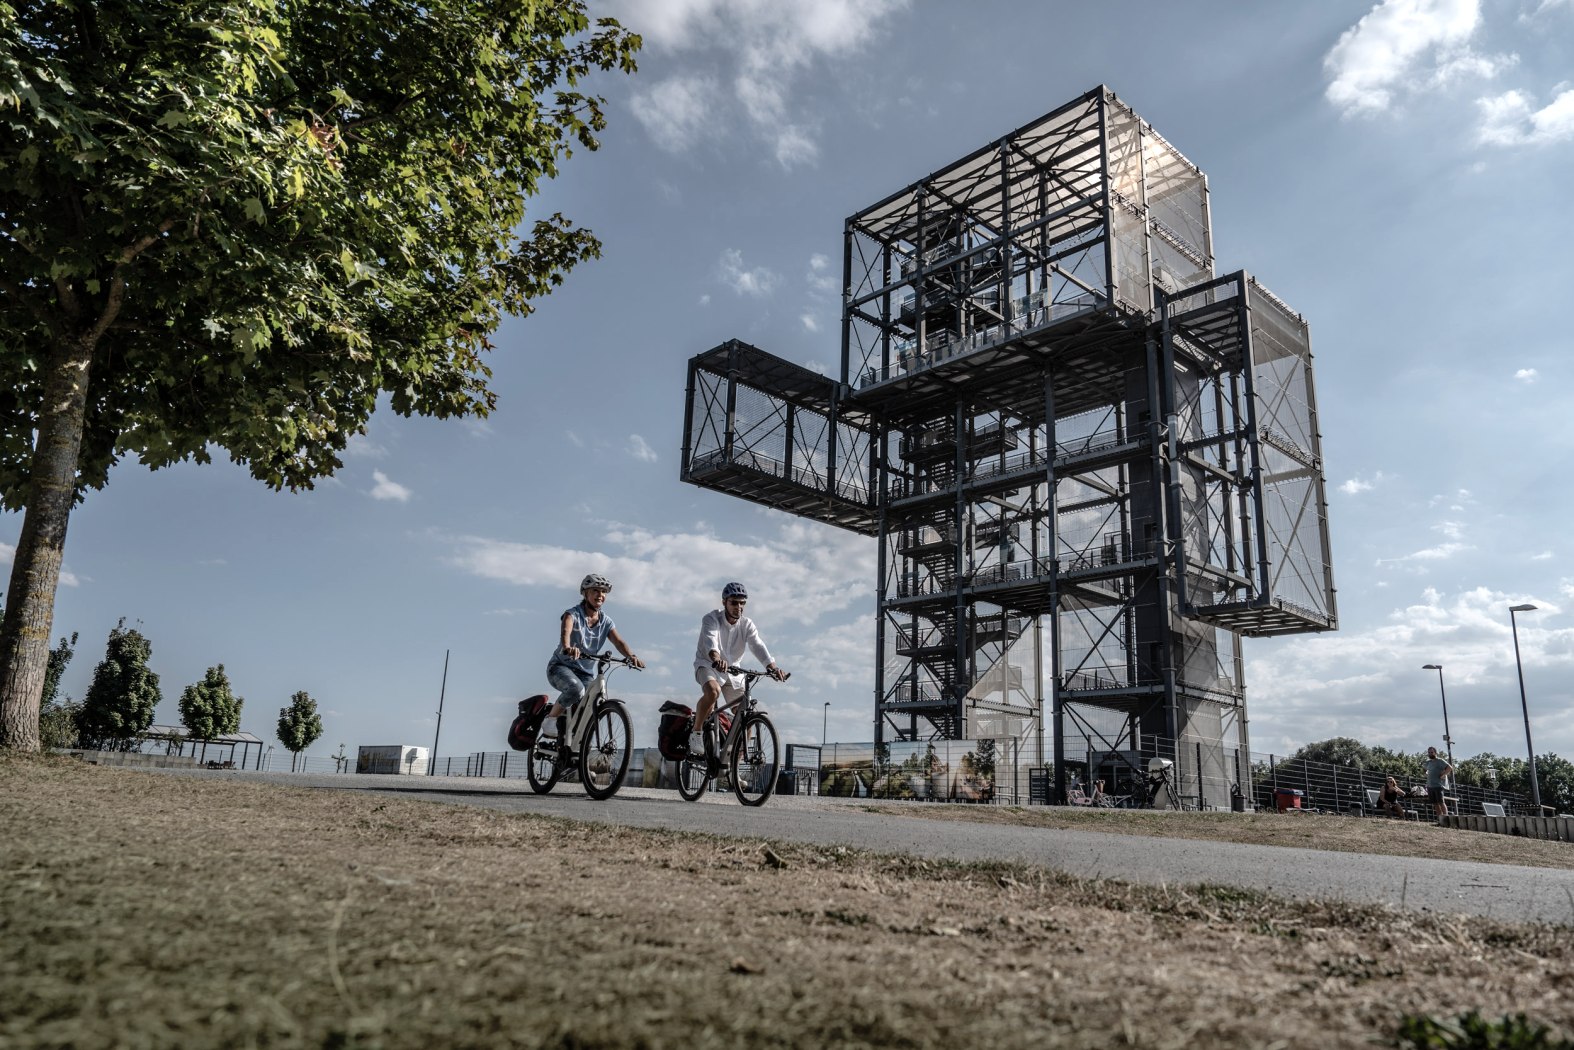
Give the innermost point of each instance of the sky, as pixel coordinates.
(1397, 173)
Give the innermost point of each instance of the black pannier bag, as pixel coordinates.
(677, 722)
(532, 712)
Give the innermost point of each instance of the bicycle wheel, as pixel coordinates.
(755, 761)
(604, 756)
(542, 770)
(692, 778)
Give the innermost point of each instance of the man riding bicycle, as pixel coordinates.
(583, 630)
(725, 634)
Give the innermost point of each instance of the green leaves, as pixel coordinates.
(210, 709)
(124, 693)
(299, 724)
(344, 192)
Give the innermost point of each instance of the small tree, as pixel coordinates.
(57, 719)
(124, 694)
(299, 726)
(210, 709)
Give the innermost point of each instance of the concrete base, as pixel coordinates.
(1557, 828)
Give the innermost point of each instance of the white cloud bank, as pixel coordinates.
(1511, 119)
(1369, 683)
(799, 574)
(1402, 47)
(745, 58)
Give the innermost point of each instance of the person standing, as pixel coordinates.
(725, 634)
(1436, 770)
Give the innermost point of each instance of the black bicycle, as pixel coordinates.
(746, 738)
(600, 738)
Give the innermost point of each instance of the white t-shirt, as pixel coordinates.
(729, 639)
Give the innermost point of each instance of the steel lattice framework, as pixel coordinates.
(1091, 465)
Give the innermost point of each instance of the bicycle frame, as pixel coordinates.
(750, 738)
(583, 715)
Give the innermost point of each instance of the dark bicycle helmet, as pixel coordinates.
(597, 581)
(734, 590)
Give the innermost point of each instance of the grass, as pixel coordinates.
(152, 911)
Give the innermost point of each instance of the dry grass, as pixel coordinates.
(150, 911)
(1396, 838)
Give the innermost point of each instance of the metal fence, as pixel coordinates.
(1197, 777)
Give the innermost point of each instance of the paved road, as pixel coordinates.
(1494, 890)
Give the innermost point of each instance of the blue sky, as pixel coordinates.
(1398, 173)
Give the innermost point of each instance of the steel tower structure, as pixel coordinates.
(1090, 463)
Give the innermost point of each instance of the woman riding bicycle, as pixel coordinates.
(583, 630)
(725, 634)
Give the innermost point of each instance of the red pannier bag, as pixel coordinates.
(672, 738)
(532, 712)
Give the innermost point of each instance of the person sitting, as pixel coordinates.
(1391, 798)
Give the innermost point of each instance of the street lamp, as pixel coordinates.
(824, 715)
(1535, 787)
(1447, 739)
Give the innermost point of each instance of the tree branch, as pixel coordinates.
(138, 247)
(117, 280)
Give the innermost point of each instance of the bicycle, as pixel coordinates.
(600, 734)
(750, 744)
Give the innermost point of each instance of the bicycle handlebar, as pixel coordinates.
(608, 658)
(759, 674)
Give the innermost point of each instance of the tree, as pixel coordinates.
(210, 709)
(299, 726)
(239, 225)
(123, 695)
(57, 719)
(59, 659)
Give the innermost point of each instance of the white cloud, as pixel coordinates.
(363, 447)
(1526, 375)
(1543, 556)
(67, 577)
(386, 489)
(1402, 46)
(809, 323)
(1369, 683)
(762, 51)
(794, 146)
(1511, 119)
(820, 278)
(1453, 534)
(574, 439)
(1356, 486)
(758, 282)
(678, 112)
(640, 449)
(801, 573)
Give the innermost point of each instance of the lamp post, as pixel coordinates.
(824, 715)
(1535, 787)
(1447, 739)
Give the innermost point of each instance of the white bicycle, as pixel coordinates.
(600, 737)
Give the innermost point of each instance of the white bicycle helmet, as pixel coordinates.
(734, 590)
(596, 581)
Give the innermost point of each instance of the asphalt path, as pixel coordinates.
(1499, 891)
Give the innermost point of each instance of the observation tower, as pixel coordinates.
(1090, 463)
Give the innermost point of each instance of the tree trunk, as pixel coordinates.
(35, 570)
